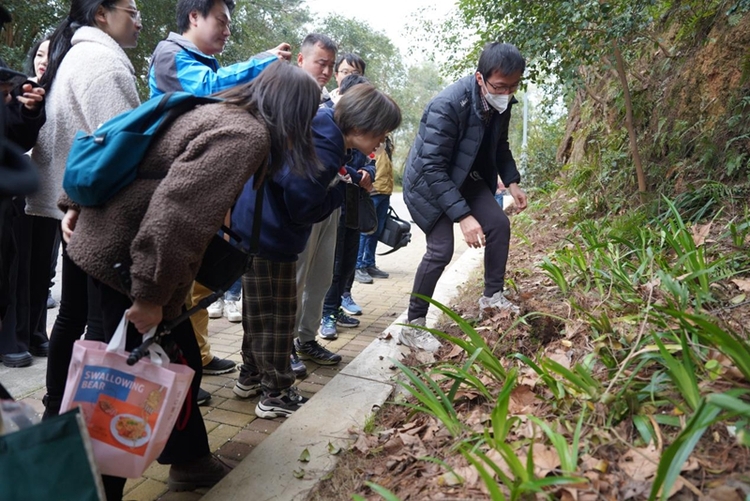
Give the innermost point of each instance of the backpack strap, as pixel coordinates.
(257, 220)
(169, 118)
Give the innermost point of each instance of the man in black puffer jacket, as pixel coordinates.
(451, 177)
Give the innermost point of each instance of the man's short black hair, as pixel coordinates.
(314, 39)
(503, 58)
(352, 60)
(185, 7)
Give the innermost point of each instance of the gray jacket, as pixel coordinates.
(448, 141)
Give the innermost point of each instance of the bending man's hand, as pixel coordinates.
(282, 51)
(519, 196)
(472, 230)
(144, 315)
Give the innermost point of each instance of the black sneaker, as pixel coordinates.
(344, 320)
(311, 350)
(279, 404)
(298, 367)
(40, 350)
(376, 272)
(219, 366)
(205, 471)
(203, 397)
(247, 385)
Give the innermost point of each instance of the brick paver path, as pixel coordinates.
(233, 429)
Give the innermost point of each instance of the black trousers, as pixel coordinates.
(344, 264)
(25, 320)
(36, 245)
(80, 310)
(189, 442)
(496, 227)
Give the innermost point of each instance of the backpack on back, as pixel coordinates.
(102, 163)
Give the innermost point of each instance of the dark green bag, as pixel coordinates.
(50, 460)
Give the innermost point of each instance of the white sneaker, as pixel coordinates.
(498, 301)
(415, 337)
(216, 309)
(233, 311)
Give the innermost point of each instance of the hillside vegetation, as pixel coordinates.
(627, 375)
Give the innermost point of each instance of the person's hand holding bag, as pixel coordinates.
(144, 315)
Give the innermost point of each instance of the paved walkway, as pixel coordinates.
(233, 429)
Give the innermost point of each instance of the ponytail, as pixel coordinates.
(59, 45)
(82, 13)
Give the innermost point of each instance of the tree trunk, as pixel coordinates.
(629, 119)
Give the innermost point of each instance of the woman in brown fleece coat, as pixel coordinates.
(162, 227)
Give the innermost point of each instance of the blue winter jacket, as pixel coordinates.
(293, 203)
(178, 65)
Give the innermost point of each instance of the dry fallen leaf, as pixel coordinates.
(742, 283)
(456, 352)
(522, 400)
(567, 494)
(723, 493)
(700, 232)
(640, 463)
(469, 474)
(393, 445)
(410, 440)
(561, 358)
(364, 443)
(546, 459)
(476, 419)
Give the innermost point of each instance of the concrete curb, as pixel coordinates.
(273, 471)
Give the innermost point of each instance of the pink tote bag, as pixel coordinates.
(129, 410)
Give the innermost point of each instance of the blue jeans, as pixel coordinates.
(368, 243)
(499, 198)
(233, 294)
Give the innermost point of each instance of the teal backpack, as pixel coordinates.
(101, 164)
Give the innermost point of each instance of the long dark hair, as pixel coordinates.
(286, 98)
(82, 13)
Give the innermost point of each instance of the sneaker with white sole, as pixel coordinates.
(327, 329)
(344, 320)
(349, 306)
(218, 366)
(203, 397)
(361, 276)
(498, 301)
(414, 336)
(279, 404)
(216, 309)
(247, 385)
(312, 350)
(233, 311)
(298, 367)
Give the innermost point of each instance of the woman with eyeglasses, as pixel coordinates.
(89, 79)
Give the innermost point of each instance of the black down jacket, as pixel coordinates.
(449, 137)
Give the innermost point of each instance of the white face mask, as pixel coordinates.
(497, 101)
